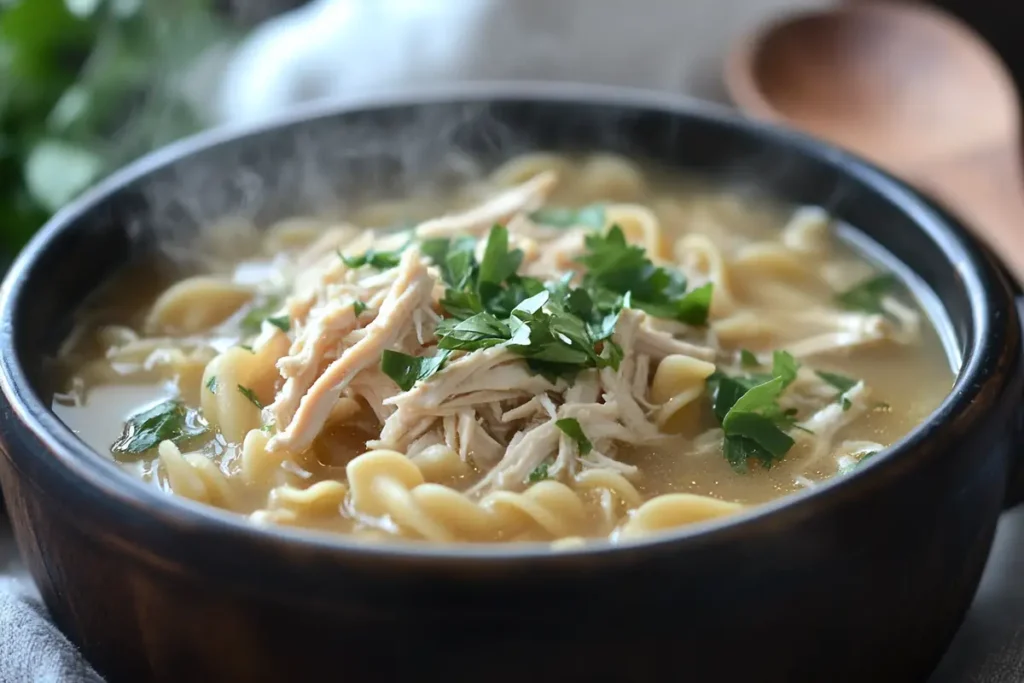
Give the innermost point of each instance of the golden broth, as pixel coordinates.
(767, 287)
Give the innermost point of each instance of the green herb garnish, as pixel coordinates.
(264, 310)
(211, 384)
(840, 382)
(251, 395)
(751, 417)
(748, 359)
(559, 329)
(592, 216)
(168, 421)
(538, 474)
(570, 426)
(479, 331)
(406, 370)
(281, 322)
(867, 296)
(358, 307)
(381, 260)
(614, 264)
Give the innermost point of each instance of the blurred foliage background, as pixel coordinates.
(88, 85)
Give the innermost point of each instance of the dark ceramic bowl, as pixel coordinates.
(863, 579)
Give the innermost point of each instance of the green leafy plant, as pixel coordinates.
(85, 87)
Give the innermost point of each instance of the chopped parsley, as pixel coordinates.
(211, 384)
(559, 327)
(752, 420)
(867, 296)
(615, 265)
(358, 307)
(570, 426)
(264, 310)
(587, 217)
(538, 474)
(406, 370)
(842, 383)
(748, 359)
(251, 395)
(167, 421)
(381, 260)
(281, 322)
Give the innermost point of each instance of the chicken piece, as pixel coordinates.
(374, 388)
(822, 427)
(526, 197)
(486, 376)
(525, 453)
(324, 332)
(410, 291)
(475, 442)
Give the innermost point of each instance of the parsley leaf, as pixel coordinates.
(381, 260)
(840, 382)
(760, 429)
(498, 263)
(538, 474)
(748, 359)
(211, 384)
(406, 370)
(694, 308)
(454, 257)
(358, 307)
(867, 296)
(251, 395)
(167, 421)
(281, 322)
(570, 426)
(843, 384)
(588, 217)
(785, 367)
(479, 331)
(615, 265)
(263, 310)
(751, 418)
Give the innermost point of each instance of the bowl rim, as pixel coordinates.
(68, 453)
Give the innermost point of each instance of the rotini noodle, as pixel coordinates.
(195, 305)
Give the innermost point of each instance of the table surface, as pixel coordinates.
(989, 647)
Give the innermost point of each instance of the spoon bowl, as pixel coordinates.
(908, 87)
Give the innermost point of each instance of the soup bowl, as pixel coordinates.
(865, 577)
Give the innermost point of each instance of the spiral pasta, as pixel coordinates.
(195, 305)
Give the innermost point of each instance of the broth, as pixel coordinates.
(576, 348)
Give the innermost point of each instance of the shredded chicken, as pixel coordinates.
(410, 291)
(529, 196)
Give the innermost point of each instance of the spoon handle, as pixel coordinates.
(985, 188)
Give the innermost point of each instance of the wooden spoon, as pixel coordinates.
(906, 86)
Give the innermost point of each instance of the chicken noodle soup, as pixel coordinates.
(569, 349)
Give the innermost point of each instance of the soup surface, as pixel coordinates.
(567, 349)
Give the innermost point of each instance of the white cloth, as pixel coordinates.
(344, 48)
(32, 650)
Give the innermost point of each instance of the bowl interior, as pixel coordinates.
(318, 161)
